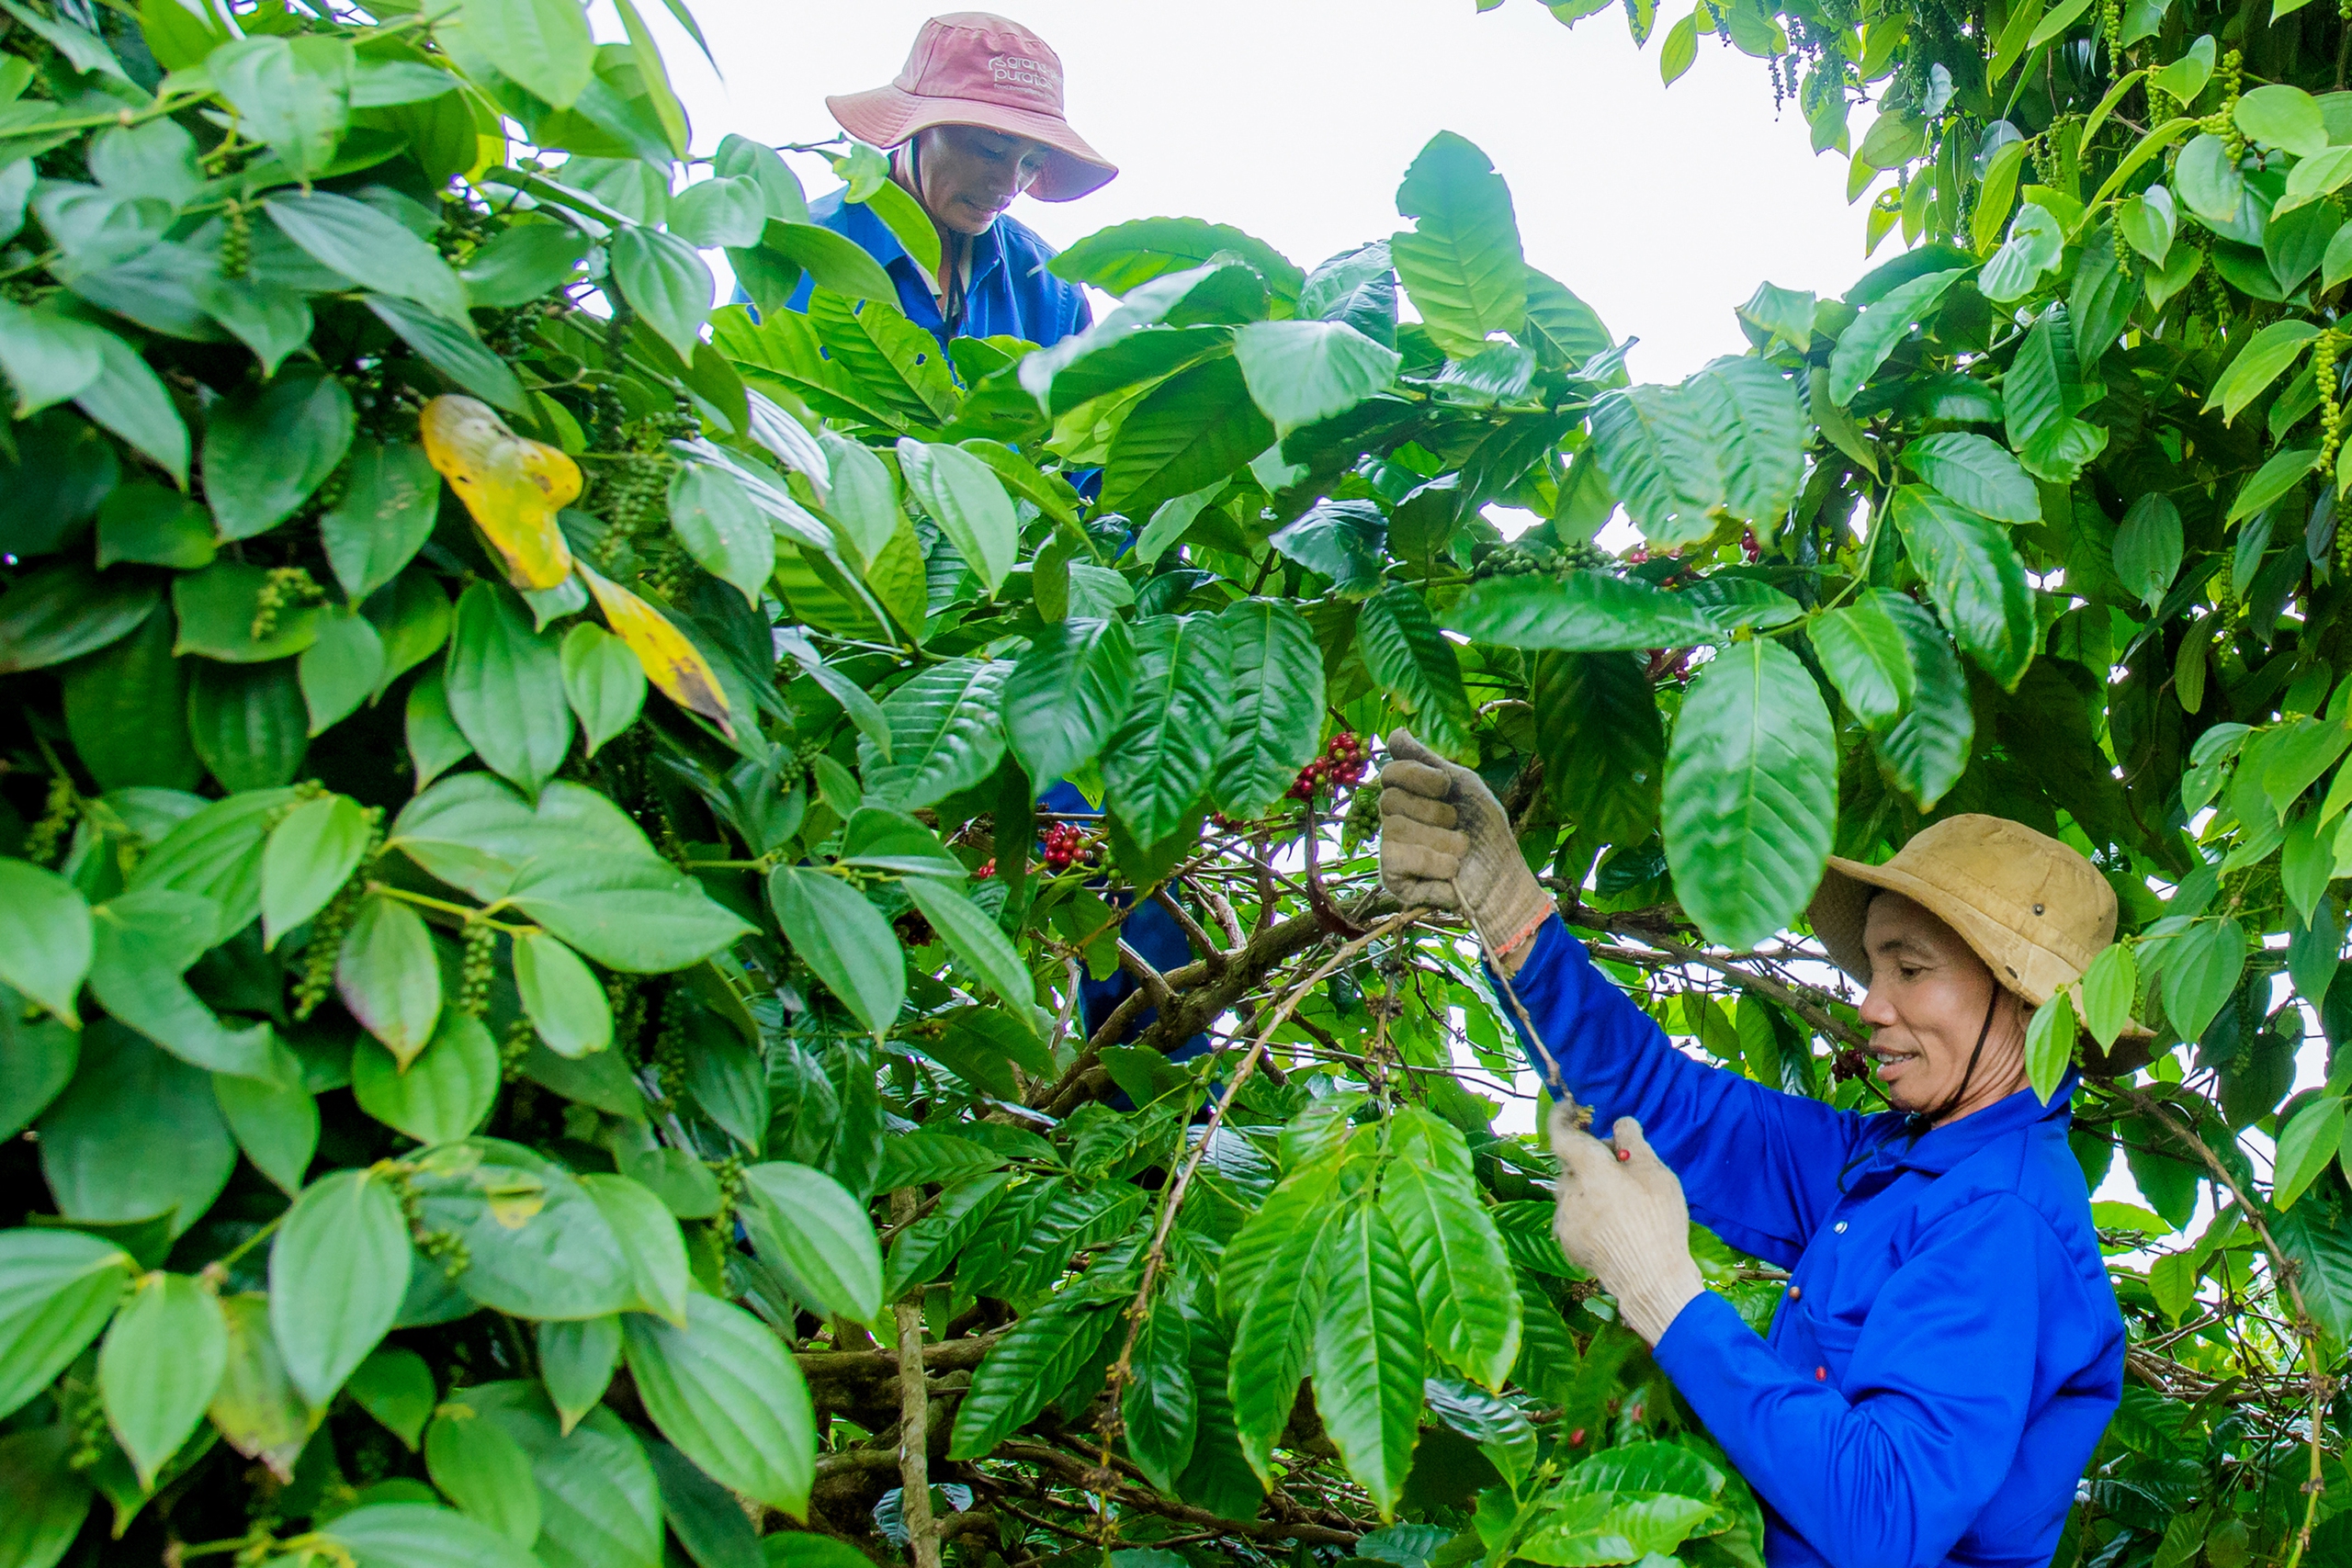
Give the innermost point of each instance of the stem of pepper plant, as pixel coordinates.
(424, 900)
(225, 1259)
(2315, 1485)
(914, 1411)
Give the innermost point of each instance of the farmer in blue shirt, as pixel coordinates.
(1948, 1352)
(974, 119)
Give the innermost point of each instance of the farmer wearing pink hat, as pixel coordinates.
(972, 120)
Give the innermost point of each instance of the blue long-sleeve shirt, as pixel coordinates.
(1009, 293)
(1949, 1350)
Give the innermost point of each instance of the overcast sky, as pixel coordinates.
(1294, 120)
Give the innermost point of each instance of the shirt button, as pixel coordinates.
(1839, 1227)
(1796, 1292)
(1821, 1374)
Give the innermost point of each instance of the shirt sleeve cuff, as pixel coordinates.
(1541, 971)
(1698, 1333)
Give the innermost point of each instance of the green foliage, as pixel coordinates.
(529, 951)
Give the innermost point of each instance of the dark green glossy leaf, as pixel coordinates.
(1978, 579)
(449, 348)
(265, 454)
(538, 1245)
(819, 1236)
(337, 1272)
(1367, 1356)
(126, 708)
(1198, 426)
(1273, 705)
(444, 1093)
(1587, 612)
(137, 1136)
(372, 250)
(845, 939)
(727, 1393)
(946, 733)
(57, 1290)
(1165, 752)
(1067, 694)
(599, 1504)
(505, 687)
(1602, 743)
(61, 611)
(1029, 1366)
(1410, 659)
(1863, 646)
(484, 1471)
(1750, 792)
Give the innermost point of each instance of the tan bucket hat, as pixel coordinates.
(2031, 908)
(976, 68)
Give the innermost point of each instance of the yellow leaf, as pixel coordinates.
(513, 486)
(672, 663)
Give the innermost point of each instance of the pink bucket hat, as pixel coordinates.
(972, 68)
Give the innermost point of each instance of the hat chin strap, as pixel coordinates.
(953, 245)
(1930, 1118)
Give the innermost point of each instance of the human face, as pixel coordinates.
(1927, 1000)
(966, 175)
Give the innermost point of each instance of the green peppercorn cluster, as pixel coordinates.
(57, 819)
(515, 1049)
(1361, 824)
(2223, 121)
(83, 1410)
(445, 1247)
(2226, 604)
(626, 995)
(237, 243)
(669, 1048)
(329, 925)
(481, 945)
(633, 497)
(331, 490)
(2325, 352)
(730, 1175)
(286, 587)
(2110, 26)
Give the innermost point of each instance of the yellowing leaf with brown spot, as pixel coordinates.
(672, 663)
(512, 485)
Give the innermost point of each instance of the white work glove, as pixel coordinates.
(1445, 839)
(1621, 1215)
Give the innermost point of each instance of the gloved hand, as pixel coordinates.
(1444, 839)
(1621, 1215)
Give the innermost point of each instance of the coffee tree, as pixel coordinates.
(2097, 408)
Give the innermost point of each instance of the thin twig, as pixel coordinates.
(2285, 1269)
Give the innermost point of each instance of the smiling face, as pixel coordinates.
(967, 174)
(1927, 1000)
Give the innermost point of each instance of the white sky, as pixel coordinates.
(1294, 120)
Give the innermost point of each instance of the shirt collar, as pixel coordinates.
(1939, 1149)
(859, 223)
